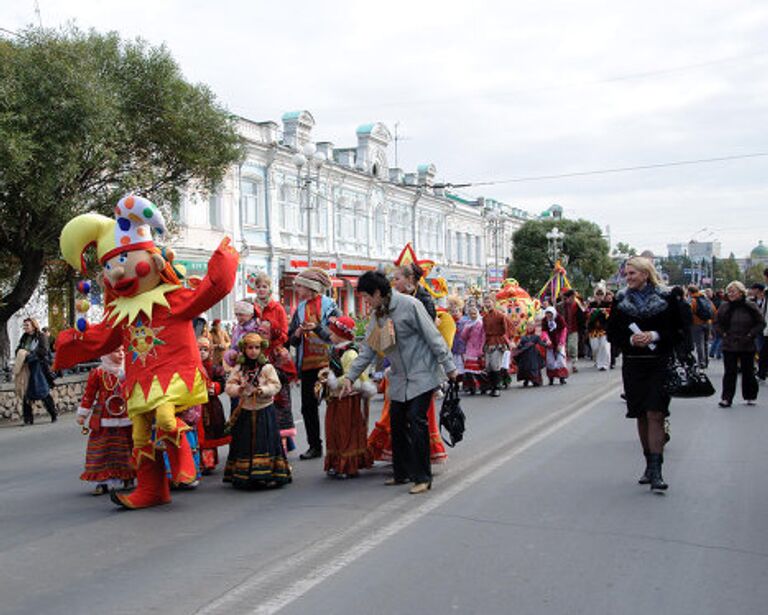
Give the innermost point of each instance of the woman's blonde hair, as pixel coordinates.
(738, 286)
(645, 265)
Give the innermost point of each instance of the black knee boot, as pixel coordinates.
(495, 378)
(654, 468)
(29, 416)
(51, 408)
(645, 479)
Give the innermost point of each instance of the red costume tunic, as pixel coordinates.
(162, 363)
(497, 329)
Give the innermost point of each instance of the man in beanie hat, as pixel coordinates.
(149, 313)
(309, 333)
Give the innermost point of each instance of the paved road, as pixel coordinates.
(537, 512)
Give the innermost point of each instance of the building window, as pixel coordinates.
(360, 224)
(379, 228)
(282, 207)
(214, 208)
(252, 202)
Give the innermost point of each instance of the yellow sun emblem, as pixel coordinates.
(143, 341)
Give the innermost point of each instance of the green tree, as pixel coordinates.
(726, 270)
(624, 249)
(674, 268)
(85, 118)
(586, 250)
(754, 274)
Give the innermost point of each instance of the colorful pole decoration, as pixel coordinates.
(557, 283)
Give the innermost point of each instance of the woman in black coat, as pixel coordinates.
(35, 343)
(645, 323)
(738, 322)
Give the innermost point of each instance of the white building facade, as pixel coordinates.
(344, 204)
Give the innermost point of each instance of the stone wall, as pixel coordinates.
(66, 394)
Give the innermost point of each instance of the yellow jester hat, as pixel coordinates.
(135, 217)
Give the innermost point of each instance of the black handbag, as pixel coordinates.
(683, 378)
(452, 417)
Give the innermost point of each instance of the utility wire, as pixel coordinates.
(660, 165)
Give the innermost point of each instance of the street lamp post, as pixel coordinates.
(493, 223)
(554, 243)
(310, 161)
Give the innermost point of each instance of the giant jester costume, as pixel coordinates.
(149, 313)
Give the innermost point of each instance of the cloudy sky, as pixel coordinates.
(497, 91)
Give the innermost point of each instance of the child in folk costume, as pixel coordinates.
(529, 356)
(191, 417)
(346, 418)
(245, 313)
(211, 424)
(473, 336)
(108, 454)
(256, 456)
(273, 326)
(554, 332)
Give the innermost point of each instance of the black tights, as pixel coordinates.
(650, 428)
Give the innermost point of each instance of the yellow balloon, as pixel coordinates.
(82, 305)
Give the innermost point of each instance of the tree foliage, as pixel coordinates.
(624, 249)
(754, 274)
(84, 118)
(587, 253)
(726, 271)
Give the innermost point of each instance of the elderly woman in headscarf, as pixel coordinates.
(309, 333)
(554, 332)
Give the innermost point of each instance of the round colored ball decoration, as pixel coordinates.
(84, 287)
(82, 305)
(81, 324)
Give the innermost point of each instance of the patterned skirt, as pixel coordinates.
(108, 455)
(256, 456)
(346, 428)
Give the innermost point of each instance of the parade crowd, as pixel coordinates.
(152, 409)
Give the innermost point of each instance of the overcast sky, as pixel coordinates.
(491, 91)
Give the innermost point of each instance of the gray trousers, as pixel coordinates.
(700, 334)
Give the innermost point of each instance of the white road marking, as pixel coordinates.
(227, 603)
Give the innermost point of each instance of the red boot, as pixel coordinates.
(183, 469)
(151, 483)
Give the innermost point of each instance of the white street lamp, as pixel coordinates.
(309, 160)
(554, 239)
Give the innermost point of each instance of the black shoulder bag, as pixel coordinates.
(452, 417)
(683, 378)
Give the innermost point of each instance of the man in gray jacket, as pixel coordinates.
(419, 362)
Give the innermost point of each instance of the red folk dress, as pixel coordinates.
(108, 453)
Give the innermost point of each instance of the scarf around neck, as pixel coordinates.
(642, 303)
